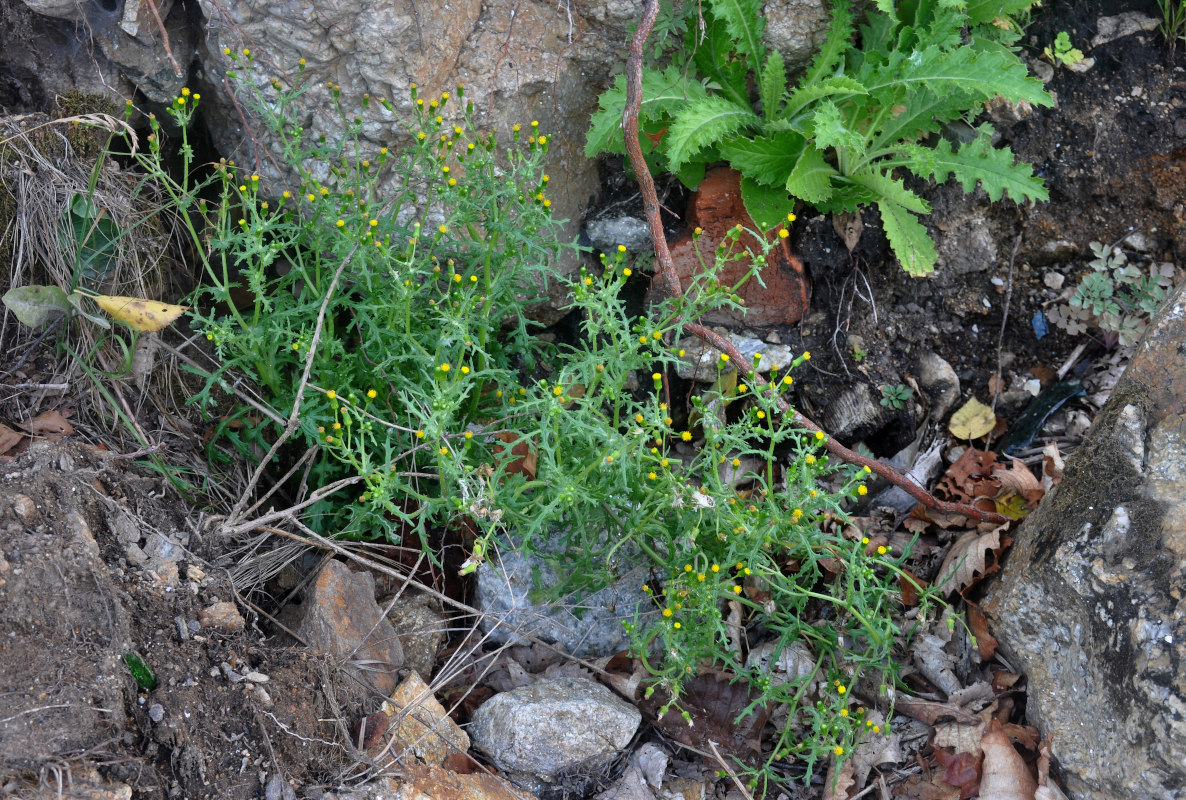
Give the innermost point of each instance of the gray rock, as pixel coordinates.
(61, 9)
(156, 712)
(504, 595)
(609, 232)
(553, 725)
(422, 631)
(1090, 605)
(938, 379)
(702, 361)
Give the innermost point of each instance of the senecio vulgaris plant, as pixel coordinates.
(428, 403)
(870, 109)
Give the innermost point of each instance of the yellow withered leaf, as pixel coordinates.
(143, 315)
(972, 421)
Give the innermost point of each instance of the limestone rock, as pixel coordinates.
(588, 627)
(340, 617)
(553, 725)
(1090, 603)
(938, 379)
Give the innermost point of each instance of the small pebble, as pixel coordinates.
(222, 617)
(156, 712)
(257, 677)
(182, 628)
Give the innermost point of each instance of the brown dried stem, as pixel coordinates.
(666, 271)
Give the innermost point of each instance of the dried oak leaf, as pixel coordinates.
(970, 477)
(713, 699)
(961, 770)
(1006, 776)
(1052, 466)
(837, 784)
(967, 561)
(1019, 479)
(986, 643)
(50, 424)
(8, 439)
(525, 460)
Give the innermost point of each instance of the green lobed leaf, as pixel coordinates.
(746, 23)
(978, 162)
(835, 45)
(985, 11)
(663, 94)
(837, 85)
(887, 187)
(767, 205)
(704, 123)
(831, 130)
(811, 179)
(767, 159)
(908, 239)
(36, 305)
(984, 74)
(713, 54)
(773, 85)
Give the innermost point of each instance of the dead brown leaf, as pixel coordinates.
(525, 460)
(713, 700)
(50, 424)
(836, 785)
(1018, 478)
(986, 643)
(8, 439)
(1052, 466)
(1006, 776)
(916, 787)
(961, 770)
(967, 560)
(930, 712)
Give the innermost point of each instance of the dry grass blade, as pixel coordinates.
(105, 121)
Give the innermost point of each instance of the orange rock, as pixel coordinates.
(716, 207)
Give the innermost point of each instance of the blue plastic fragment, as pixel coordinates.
(1041, 327)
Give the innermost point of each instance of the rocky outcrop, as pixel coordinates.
(1090, 603)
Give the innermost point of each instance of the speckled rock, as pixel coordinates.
(549, 726)
(1091, 602)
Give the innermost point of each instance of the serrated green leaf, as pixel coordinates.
(773, 85)
(703, 123)
(908, 239)
(985, 11)
(746, 23)
(36, 305)
(767, 205)
(663, 94)
(978, 162)
(837, 85)
(811, 179)
(766, 159)
(835, 45)
(889, 188)
(713, 54)
(984, 74)
(830, 129)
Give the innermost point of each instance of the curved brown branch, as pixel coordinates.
(666, 271)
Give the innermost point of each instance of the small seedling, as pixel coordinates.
(1173, 22)
(1061, 51)
(1117, 296)
(895, 396)
(859, 353)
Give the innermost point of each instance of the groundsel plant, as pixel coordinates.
(430, 404)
